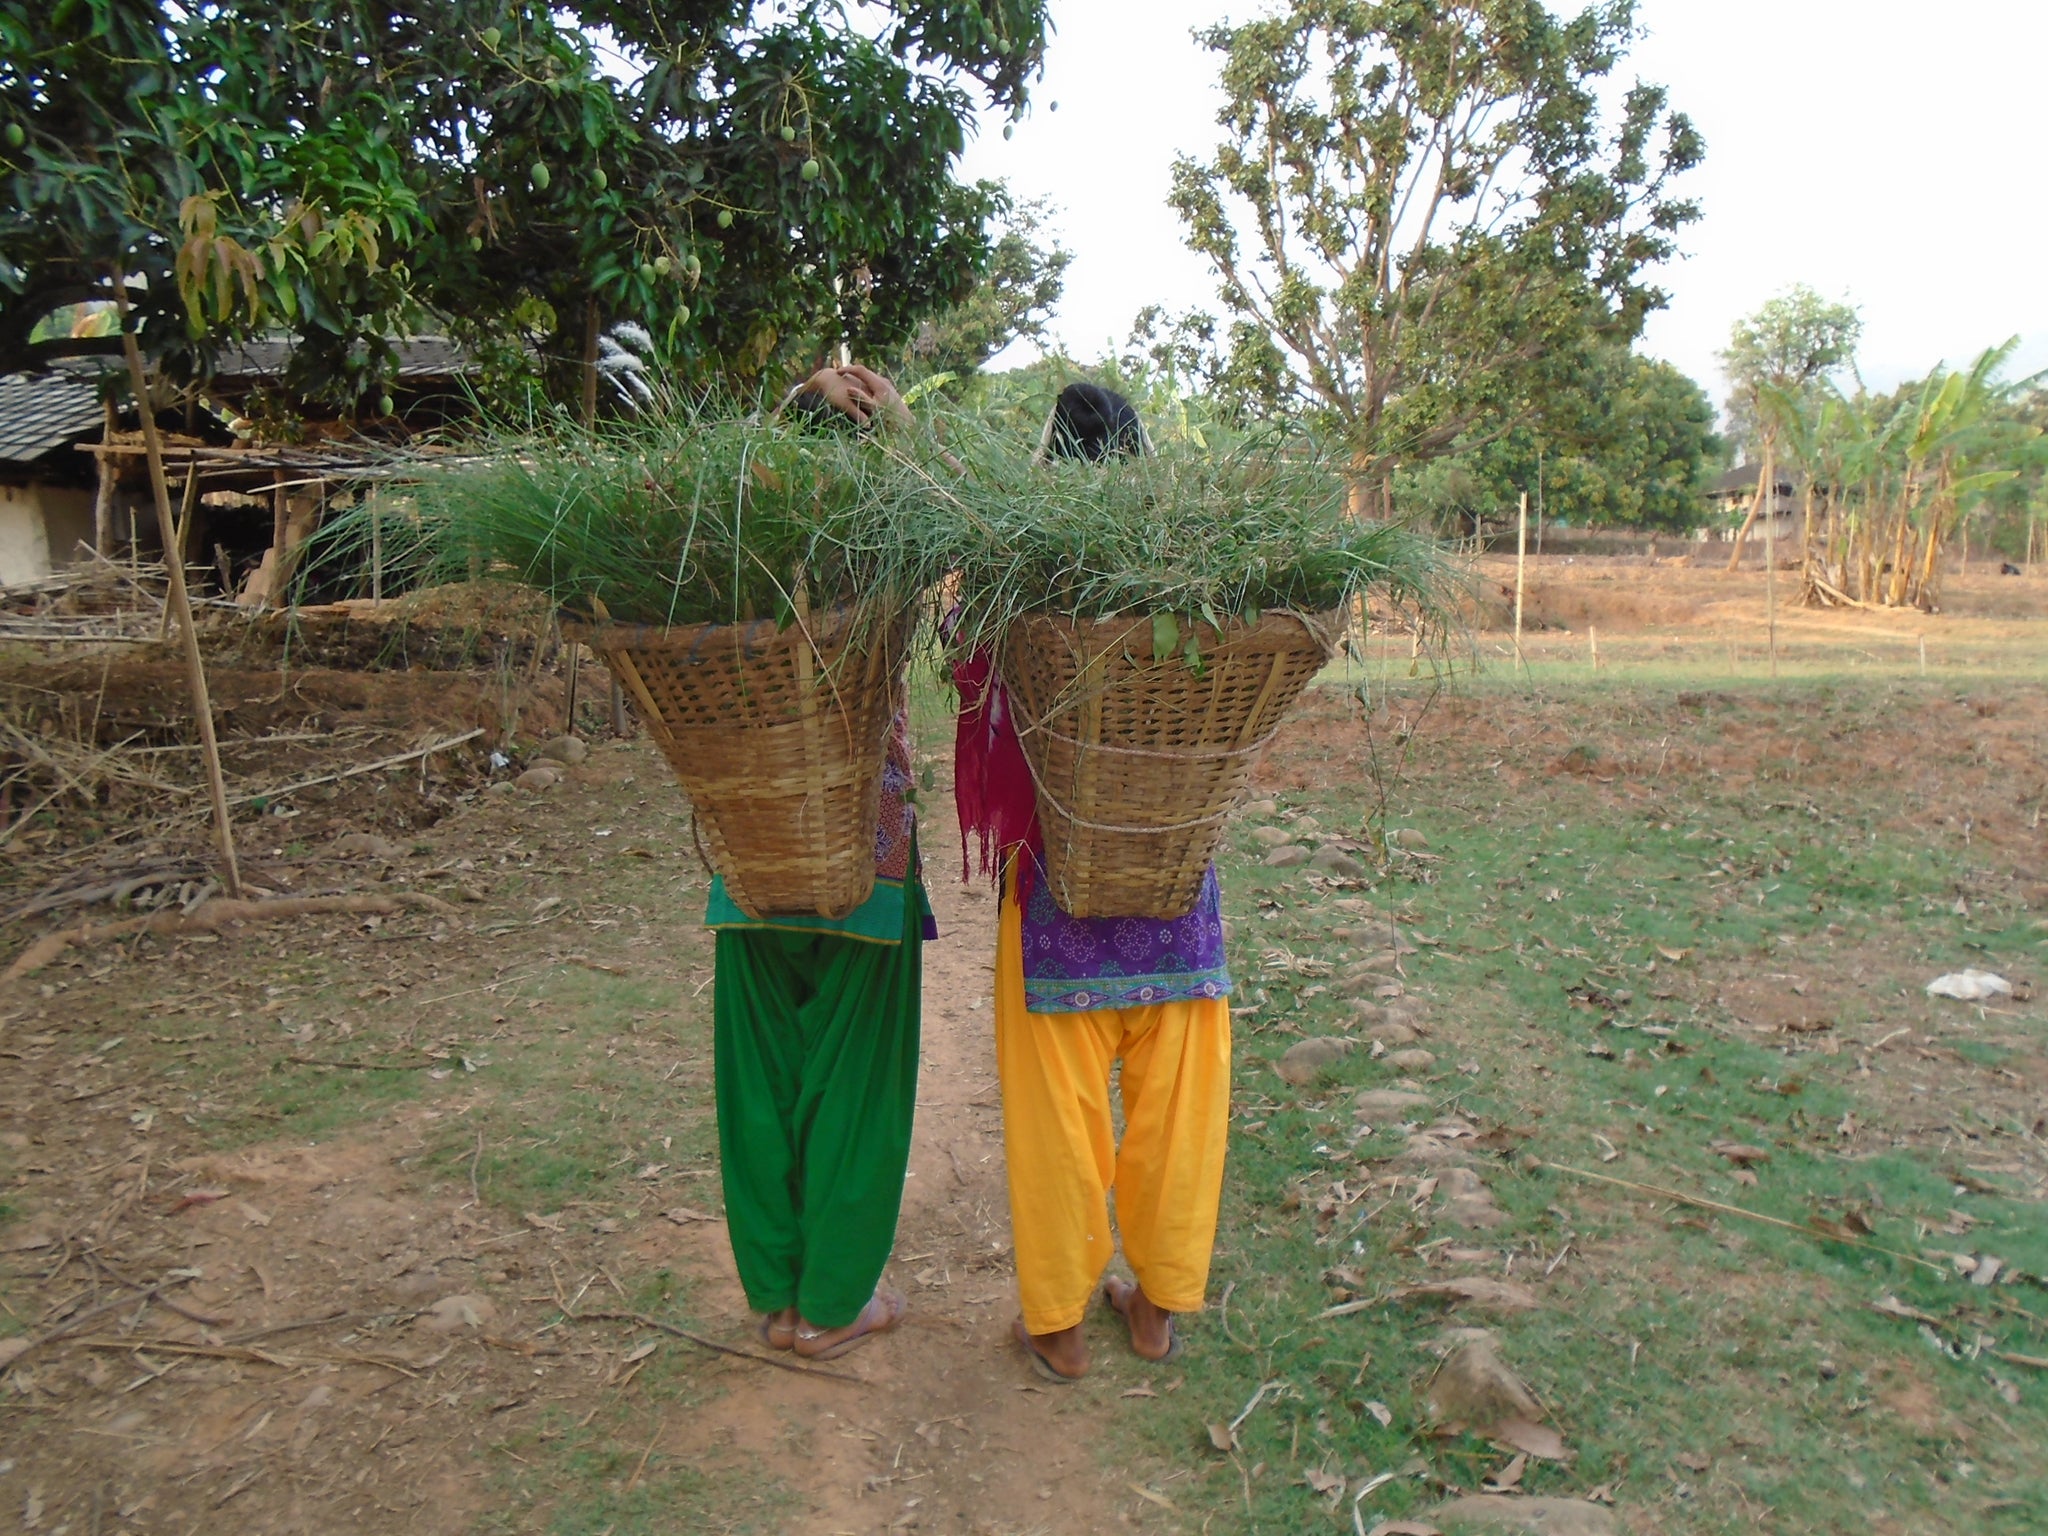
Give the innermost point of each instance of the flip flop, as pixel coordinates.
(893, 1306)
(1046, 1370)
(1118, 1294)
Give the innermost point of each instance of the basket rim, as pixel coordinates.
(627, 634)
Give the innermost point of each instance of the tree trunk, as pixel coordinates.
(1766, 487)
(103, 498)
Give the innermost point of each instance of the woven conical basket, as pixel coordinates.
(1137, 762)
(778, 737)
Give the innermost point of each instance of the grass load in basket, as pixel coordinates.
(681, 519)
(1185, 534)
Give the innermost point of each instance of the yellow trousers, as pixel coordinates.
(1061, 1146)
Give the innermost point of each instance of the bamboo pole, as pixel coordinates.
(103, 495)
(1521, 563)
(180, 602)
(376, 548)
(1771, 560)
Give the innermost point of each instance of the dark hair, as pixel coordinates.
(1090, 422)
(810, 408)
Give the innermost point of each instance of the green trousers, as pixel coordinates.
(816, 1052)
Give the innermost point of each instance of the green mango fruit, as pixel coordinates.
(789, 133)
(725, 218)
(811, 170)
(15, 136)
(476, 242)
(385, 405)
(682, 314)
(541, 176)
(599, 180)
(491, 37)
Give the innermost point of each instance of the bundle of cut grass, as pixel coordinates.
(1154, 619)
(751, 586)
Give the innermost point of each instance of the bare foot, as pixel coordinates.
(883, 1312)
(1152, 1335)
(778, 1329)
(1060, 1357)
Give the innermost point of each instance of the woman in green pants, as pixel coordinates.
(815, 1027)
(816, 1031)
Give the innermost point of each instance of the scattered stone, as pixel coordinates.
(1478, 1290)
(566, 749)
(1395, 1034)
(1306, 826)
(540, 776)
(1423, 1150)
(1333, 860)
(1482, 1514)
(1475, 1387)
(1460, 1183)
(1389, 1104)
(1475, 1213)
(367, 845)
(1290, 857)
(1263, 808)
(1414, 1059)
(452, 1314)
(1407, 837)
(1306, 1060)
(501, 789)
(1272, 837)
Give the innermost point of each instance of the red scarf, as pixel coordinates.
(991, 781)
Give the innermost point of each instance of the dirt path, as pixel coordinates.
(948, 1431)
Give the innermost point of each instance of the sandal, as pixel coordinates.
(870, 1322)
(1118, 1294)
(1045, 1369)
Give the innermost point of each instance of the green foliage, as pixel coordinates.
(345, 174)
(1210, 533)
(1630, 443)
(1014, 299)
(1419, 207)
(689, 517)
(1789, 345)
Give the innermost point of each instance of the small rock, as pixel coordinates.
(1263, 808)
(1407, 837)
(1395, 1034)
(452, 1314)
(1460, 1183)
(367, 845)
(1475, 1213)
(502, 788)
(1335, 861)
(1306, 826)
(421, 1287)
(1306, 1060)
(540, 776)
(1474, 1386)
(12, 1349)
(1425, 1151)
(1389, 1104)
(1272, 837)
(1414, 1059)
(1499, 1515)
(1290, 857)
(566, 749)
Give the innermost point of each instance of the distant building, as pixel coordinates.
(46, 485)
(1732, 495)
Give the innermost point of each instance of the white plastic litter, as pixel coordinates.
(1969, 986)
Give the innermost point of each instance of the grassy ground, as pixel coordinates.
(1667, 919)
(1674, 905)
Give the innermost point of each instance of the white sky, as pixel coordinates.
(1881, 152)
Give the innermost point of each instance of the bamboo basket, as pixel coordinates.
(778, 737)
(1137, 763)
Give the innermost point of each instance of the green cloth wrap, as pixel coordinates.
(878, 920)
(816, 1039)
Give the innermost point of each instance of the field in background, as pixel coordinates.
(427, 1190)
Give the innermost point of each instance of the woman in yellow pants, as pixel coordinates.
(1058, 1137)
